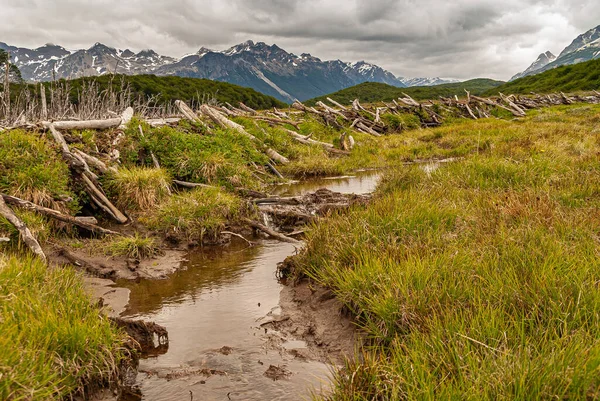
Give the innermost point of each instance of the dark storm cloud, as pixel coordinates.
(461, 38)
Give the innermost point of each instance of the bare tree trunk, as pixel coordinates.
(227, 123)
(21, 203)
(43, 99)
(24, 232)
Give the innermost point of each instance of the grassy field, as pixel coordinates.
(371, 92)
(477, 279)
(54, 343)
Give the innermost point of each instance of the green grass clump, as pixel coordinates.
(54, 343)
(198, 214)
(138, 247)
(33, 170)
(222, 158)
(478, 279)
(138, 188)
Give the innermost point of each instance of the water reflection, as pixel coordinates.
(359, 183)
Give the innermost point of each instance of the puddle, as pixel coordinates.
(215, 310)
(360, 183)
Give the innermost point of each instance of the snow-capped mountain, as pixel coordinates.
(266, 68)
(543, 60)
(585, 47)
(428, 81)
(52, 61)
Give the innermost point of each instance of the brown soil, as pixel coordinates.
(312, 313)
(114, 268)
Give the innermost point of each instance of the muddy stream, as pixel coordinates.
(216, 309)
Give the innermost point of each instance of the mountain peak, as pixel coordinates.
(582, 40)
(147, 53)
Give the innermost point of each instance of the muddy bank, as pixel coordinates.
(113, 268)
(312, 314)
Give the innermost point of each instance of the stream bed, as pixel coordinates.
(213, 309)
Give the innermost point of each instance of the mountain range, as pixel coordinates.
(266, 68)
(585, 47)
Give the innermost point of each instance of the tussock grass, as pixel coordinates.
(197, 214)
(223, 158)
(477, 280)
(138, 188)
(138, 247)
(31, 169)
(53, 342)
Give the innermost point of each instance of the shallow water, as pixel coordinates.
(219, 299)
(358, 183)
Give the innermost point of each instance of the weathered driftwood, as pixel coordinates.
(336, 104)
(126, 117)
(44, 105)
(189, 114)
(271, 232)
(88, 124)
(227, 123)
(275, 171)
(94, 161)
(21, 227)
(248, 109)
(81, 168)
(102, 201)
(191, 184)
(332, 110)
(161, 122)
(23, 204)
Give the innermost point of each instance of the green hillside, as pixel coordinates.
(569, 78)
(369, 92)
(170, 89)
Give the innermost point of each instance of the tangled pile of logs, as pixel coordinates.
(368, 119)
(86, 168)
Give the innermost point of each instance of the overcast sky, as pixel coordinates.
(412, 38)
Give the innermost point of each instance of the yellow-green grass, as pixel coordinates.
(197, 214)
(138, 188)
(138, 246)
(478, 280)
(32, 169)
(53, 342)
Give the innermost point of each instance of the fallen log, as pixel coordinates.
(23, 204)
(332, 110)
(186, 184)
(21, 227)
(94, 161)
(189, 114)
(248, 109)
(224, 122)
(126, 117)
(81, 168)
(160, 122)
(336, 104)
(87, 124)
(272, 233)
(102, 201)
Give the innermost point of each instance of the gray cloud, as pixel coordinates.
(460, 39)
